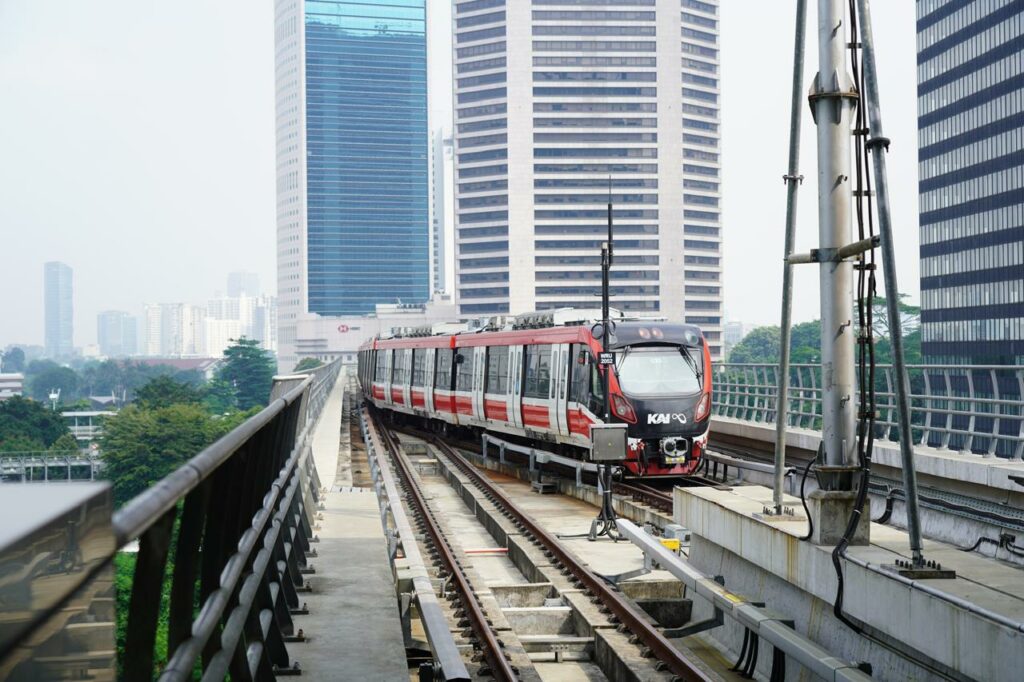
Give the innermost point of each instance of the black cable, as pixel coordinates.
(743, 651)
(803, 501)
(751, 668)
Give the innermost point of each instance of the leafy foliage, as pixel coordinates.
(141, 446)
(307, 363)
(250, 370)
(28, 425)
(65, 443)
(13, 361)
(164, 391)
(44, 376)
(219, 397)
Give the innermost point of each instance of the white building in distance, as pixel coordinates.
(559, 109)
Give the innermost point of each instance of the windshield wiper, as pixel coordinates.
(693, 364)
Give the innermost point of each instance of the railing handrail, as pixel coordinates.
(1017, 368)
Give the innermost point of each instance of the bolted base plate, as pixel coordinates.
(929, 571)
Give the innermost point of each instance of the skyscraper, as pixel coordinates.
(116, 334)
(970, 71)
(440, 159)
(58, 310)
(558, 111)
(352, 159)
(243, 284)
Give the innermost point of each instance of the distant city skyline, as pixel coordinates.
(120, 67)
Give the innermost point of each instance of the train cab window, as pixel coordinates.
(538, 372)
(419, 361)
(443, 373)
(464, 369)
(579, 375)
(497, 369)
(379, 372)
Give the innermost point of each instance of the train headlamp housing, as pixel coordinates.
(703, 407)
(622, 409)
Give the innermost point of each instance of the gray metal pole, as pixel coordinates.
(833, 101)
(878, 144)
(793, 179)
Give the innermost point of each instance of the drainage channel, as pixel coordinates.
(556, 619)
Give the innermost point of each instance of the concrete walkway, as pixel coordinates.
(353, 627)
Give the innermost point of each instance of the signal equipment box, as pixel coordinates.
(608, 442)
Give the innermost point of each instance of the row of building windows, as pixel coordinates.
(594, 137)
(487, 186)
(937, 19)
(481, 34)
(586, 244)
(478, 277)
(620, 229)
(482, 65)
(973, 295)
(700, 6)
(964, 40)
(593, 91)
(593, 152)
(595, 107)
(481, 232)
(478, 95)
(976, 117)
(598, 183)
(984, 258)
(616, 199)
(615, 290)
(959, 331)
(478, 50)
(477, 126)
(594, 46)
(480, 19)
(478, 202)
(475, 5)
(483, 171)
(593, 30)
(483, 110)
(564, 260)
(615, 76)
(976, 152)
(592, 61)
(486, 79)
(697, 20)
(590, 122)
(974, 82)
(592, 15)
(974, 188)
(480, 263)
(580, 275)
(974, 224)
(605, 168)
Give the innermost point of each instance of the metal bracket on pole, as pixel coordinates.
(835, 255)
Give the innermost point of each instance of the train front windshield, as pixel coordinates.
(658, 370)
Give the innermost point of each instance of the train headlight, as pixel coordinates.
(703, 407)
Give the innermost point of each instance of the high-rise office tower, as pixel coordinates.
(58, 310)
(174, 330)
(116, 334)
(440, 179)
(560, 108)
(970, 101)
(243, 284)
(352, 159)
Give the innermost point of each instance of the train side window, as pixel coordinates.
(418, 360)
(538, 372)
(464, 370)
(596, 402)
(497, 369)
(443, 375)
(381, 366)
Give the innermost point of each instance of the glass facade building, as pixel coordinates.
(58, 310)
(561, 107)
(970, 62)
(353, 158)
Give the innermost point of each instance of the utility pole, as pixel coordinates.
(832, 100)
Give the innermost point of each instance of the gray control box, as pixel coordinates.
(607, 442)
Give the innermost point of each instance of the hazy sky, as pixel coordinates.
(137, 145)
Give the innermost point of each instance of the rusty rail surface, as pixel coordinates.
(625, 613)
(500, 667)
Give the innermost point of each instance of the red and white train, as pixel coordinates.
(541, 381)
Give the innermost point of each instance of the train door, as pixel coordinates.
(479, 367)
(389, 355)
(428, 379)
(560, 388)
(514, 389)
(407, 377)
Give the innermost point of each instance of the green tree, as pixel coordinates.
(13, 360)
(28, 425)
(65, 443)
(44, 376)
(141, 446)
(164, 391)
(760, 345)
(307, 363)
(910, 317)
(219, 397)
(250, 370)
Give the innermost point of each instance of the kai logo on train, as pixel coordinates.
(666, 418)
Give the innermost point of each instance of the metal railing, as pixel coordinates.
(243, 510)
(965, 408)
(72, 465)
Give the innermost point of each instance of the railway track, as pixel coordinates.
(657, 651)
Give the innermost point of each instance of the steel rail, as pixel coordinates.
(628, 615)
(501, 668)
